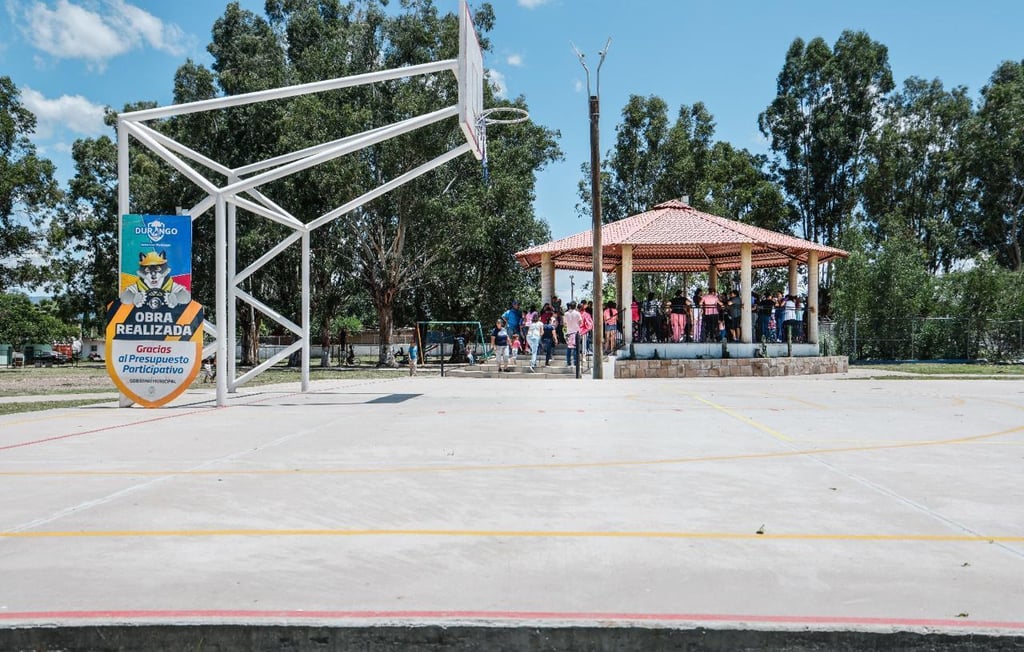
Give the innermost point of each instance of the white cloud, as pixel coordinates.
(70, 31)
(498, 81)
(161, 36)
(70, 112)
(577, 85)
(514, 60)
(531, 4)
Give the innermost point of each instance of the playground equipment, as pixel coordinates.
(455, 342)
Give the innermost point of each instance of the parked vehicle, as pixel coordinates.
(50, 358)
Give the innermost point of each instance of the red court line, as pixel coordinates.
(625, 618)
(137, 423)
(103, 429)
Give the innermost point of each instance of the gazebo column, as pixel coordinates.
(713, 277)
(619, 297)
(547, 278)
(794, 282)
(812, 297)
(746, 316)
(627, 294)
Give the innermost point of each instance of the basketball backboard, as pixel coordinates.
(471, 80)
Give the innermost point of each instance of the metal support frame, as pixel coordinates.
(227, 199)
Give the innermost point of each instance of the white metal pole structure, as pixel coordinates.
(232, 272)
(241, 189)
(123, 203)
(221, 302)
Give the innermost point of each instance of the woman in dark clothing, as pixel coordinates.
(547, 339)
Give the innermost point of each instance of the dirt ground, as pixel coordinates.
(54, 380)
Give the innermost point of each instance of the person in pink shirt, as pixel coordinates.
(586, 326)
(710, 305)
(572, 322)
(611, 327)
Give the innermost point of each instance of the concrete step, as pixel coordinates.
(557, 369)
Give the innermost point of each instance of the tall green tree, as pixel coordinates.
(652, 162)
(826, 106)
(918, 184)
(688, 158)
(86, 223)
(23, 323)
(28, 191)
(637, 162)
(477, 226)
(736, 186)
(881, 290)
(83, 236)
(997, 157)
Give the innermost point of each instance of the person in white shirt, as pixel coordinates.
(789, 322)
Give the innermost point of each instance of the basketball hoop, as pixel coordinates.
(509, 115)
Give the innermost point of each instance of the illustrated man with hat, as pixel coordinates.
(154, 286)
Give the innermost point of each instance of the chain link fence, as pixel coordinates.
(924, 338)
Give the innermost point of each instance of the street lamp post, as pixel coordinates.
(595, 203)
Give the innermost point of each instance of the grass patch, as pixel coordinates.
(947, 369)
(39, 406)
(57, 381)
(294, 375)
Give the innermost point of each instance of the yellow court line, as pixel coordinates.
(512, 467)
(807, 403)
(550, 534)
(740, 417)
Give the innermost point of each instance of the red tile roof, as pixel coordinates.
(675, 237)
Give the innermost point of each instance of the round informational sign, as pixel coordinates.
(154, 354)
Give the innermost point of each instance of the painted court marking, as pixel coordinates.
(492, 616)
(544, 534)
(515, 467)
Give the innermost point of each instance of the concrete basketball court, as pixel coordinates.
(829, 503)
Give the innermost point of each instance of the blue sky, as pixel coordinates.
(70, 58)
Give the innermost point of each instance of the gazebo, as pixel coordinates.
(675, 237)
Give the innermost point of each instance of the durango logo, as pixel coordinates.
(156, 230)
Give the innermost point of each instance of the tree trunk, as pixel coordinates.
(325, 345)
(249, 321)
(385, 356)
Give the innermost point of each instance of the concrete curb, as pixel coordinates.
(414, 638)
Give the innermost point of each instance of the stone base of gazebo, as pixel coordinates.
(704, 350)
(717, 367)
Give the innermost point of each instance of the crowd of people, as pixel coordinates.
(711, 317)
(704, 317)
(536, 332)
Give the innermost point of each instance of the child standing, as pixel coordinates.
(414, 352)
(517, 347)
